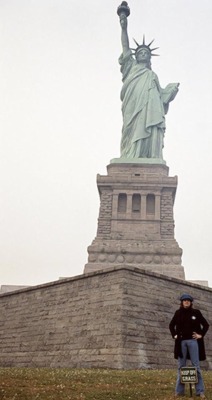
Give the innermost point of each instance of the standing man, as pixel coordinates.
(188, 327)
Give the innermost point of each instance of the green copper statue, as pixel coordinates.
(144, 102)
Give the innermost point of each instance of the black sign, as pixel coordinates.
(188, 375)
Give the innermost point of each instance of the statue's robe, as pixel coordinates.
(144, 105)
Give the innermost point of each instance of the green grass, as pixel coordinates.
(90, 384)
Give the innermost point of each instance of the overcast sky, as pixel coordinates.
(60, 125)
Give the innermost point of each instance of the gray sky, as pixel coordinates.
(60, 125)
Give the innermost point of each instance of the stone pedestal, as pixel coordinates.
(136, 223)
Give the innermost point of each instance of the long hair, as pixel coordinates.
(181, 304)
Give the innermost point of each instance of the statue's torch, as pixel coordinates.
(123, 10)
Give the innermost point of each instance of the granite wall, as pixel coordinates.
(114, 318)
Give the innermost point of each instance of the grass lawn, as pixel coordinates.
(90, 384)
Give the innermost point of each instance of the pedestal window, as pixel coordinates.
(122, 203)
(150, 204)
(136, 203)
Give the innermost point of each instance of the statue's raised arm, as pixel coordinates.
(144, 102)
(123, 12)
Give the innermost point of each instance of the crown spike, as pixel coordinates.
(146, 46)
(151, 42)
(136, 42)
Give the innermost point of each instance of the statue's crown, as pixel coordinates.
(144, 46)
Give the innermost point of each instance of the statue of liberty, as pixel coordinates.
(144, 102)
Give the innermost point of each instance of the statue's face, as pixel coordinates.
(143, 55)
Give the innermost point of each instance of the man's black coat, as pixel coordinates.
(197, 323)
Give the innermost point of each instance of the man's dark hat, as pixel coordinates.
(186, 296)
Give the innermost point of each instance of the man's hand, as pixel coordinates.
(196, 336)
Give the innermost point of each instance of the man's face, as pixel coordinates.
(143, 55)
(186, 303)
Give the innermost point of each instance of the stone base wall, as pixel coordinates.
(136, 221)
(113, 318)
(174, 271)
